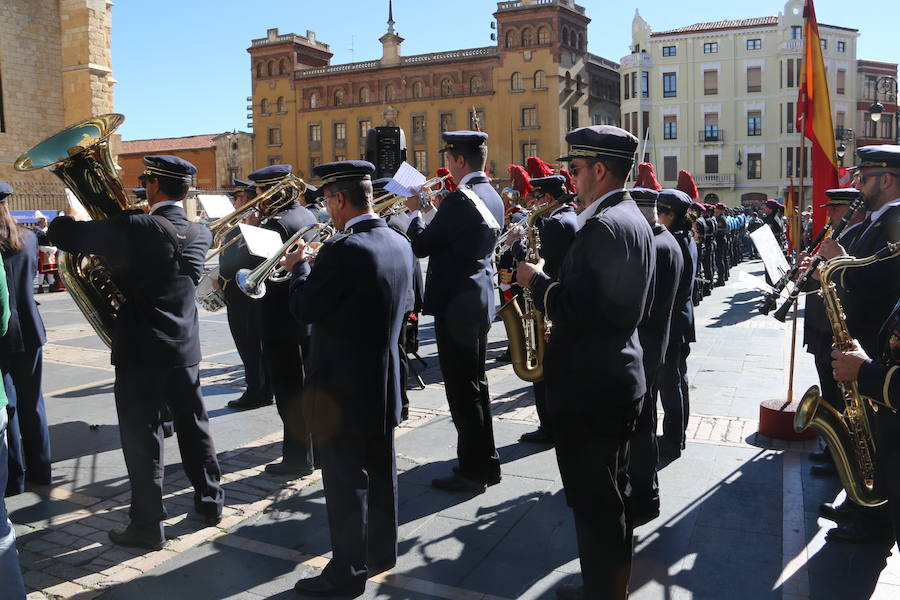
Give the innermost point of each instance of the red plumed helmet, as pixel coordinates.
(537, 168)
(570, 183)
(519, 180)
(647, 177)
(686, 184)
(449, 184)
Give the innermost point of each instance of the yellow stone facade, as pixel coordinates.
(55, 69)
(528, 90)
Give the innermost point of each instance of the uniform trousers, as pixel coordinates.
(721, 261)
(27, 432)
(11, 585)
(283, 359)
(461, 350)
(643, 455)
(141, 394)
(404, 368)
(246, 340)
(887, 468)
(674, 395)
(592, 453)
(540, 403)
(359, 471)
(708, 265)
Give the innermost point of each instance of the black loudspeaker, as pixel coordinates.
(386, 149)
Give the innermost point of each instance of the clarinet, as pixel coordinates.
(772, 297)
(781, 313)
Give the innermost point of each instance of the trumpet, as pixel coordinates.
(253, 281)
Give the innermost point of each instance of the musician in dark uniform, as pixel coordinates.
(21, 357)
(721, 244)
(593, 364)
(459, 241)
(355, 296)
(241, 311)
(157, 260)
(556, 232)
(284, 340)
(653, 333)
(674, 391)
(774, 221)
(711, 246)
(514, 218)
(696, 211)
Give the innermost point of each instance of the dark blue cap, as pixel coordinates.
(379, 184)
(463, 141)
(240, 184)
(5, 190)
(841, 196)
(675, 201)
(173, 167)
(555, 185)
(270, 175)
(884, 156)
(343, 170)
(644, 196)
(601, 141)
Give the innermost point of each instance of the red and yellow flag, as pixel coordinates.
(790, 211)
(814, 117)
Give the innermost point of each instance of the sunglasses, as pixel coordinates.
(861, 177)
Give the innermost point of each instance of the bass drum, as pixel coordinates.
(209, 298)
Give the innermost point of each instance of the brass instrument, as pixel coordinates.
(527, 329)
(849, 434)
(80, 156)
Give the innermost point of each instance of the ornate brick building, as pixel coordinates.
(538, 81)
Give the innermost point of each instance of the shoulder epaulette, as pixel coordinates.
(337, 238)
(134, 211)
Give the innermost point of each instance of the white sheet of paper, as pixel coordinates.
(263, 243)
(407, 181)
(770, 252)
(75, 203)
(215, 205)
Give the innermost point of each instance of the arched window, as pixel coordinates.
(339, 98)
(540, 80)
(264, 106)
(363, 95)
(580, 44)
(475, 84)
(515, 82)
(418, 89)
(270, 68)
(446, 87)
(259, 70)
(389, 94)
(544, 35)
(282, 66)
(279, 104)
(578, 82)
(565, 36)
(314, 100)
(528, 36)
(512, 38)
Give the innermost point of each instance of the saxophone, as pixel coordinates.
(526, 330)
(848, 433)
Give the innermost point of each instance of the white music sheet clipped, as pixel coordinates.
(263, 243)
(407, 181)
(215, 205)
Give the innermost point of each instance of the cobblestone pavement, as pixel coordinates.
(738, 509)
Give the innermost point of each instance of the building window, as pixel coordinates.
(580, 43)
(263, 107)
(670, 168)
(515, 82)
(710, 47)
(475, 84)
(511, 38)
(634, 85)
(274, 160)
(754, 44)
(540, 80)
(446, 87)
(670, 85)
(573, 117)
(711, 164)
(529, 116)
(710, 83)
(270, 68)
(887, 127)
(389, 94)
(274, 136)
(364, 95)
(364, 126)
(446, 122)
(418, 89)
(528, 36)
(544, 35)
(842, 46)
(645, 84)
(259, 70)
(789, 123)
(789, 163)
(790, 72)
(565, 36)
(823, 43)
(711, 131)
(340, 132)
(841, 81)
(627, 124)
(279, 105)
(315, 132)
(421, 159)
(669, 51)
(626, 85)
(476, 119)
(670, 127)
(314, 101)
(528, 149)
(418, 125)
(796, 32)
(754, 166)
(754, 122)
(754, 79)
(339, 98)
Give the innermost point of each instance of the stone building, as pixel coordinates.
(719, 100)
(884, 131)
(527, 90)
(55, 70)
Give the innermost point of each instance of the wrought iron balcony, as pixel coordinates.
(711, 134)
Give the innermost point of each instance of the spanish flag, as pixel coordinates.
(814, 117)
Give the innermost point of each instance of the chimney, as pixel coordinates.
(390, 41)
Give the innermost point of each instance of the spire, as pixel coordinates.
(390, 17)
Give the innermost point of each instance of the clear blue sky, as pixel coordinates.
(183, 69)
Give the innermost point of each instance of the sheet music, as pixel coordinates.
(407, 181)
(770, 252)
(215, 205)
(263, 243)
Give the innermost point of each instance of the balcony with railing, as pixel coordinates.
(715, 180)
(711, 135)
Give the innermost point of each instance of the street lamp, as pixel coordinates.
(888, 87)
(842, 135)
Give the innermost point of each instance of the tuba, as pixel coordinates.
(526, 330)
(849, 434)
(79, 155)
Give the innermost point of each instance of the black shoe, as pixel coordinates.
(492, 480)
(645, 513)
(823, 470)
(839, 513)
(505, 357)
(570, 592)
(458, 483)
(209, 520)
(667, 450)
(376, 569)
(135, 538)
(539, 436)
(856, 531)
(319, 586)
(820, 456)
(289, 469)
(246, 402)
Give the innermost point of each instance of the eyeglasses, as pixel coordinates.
(330, 196)
(574, 169)
(861, 177)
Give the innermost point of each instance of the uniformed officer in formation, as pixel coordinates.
(158, 260)
(699, 232)
(722, 244)
(283, 338)
(592, 366)
(459, 241)
(775, 221)
(355, 297)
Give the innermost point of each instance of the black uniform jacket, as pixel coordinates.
(26, 329)
(355, 298)
(460, 246)
(880, 378)
(157, 325)
(233, 258)
(654, 330)
(682, 330)
(776, 225)
(593, 358)
(557, 233)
